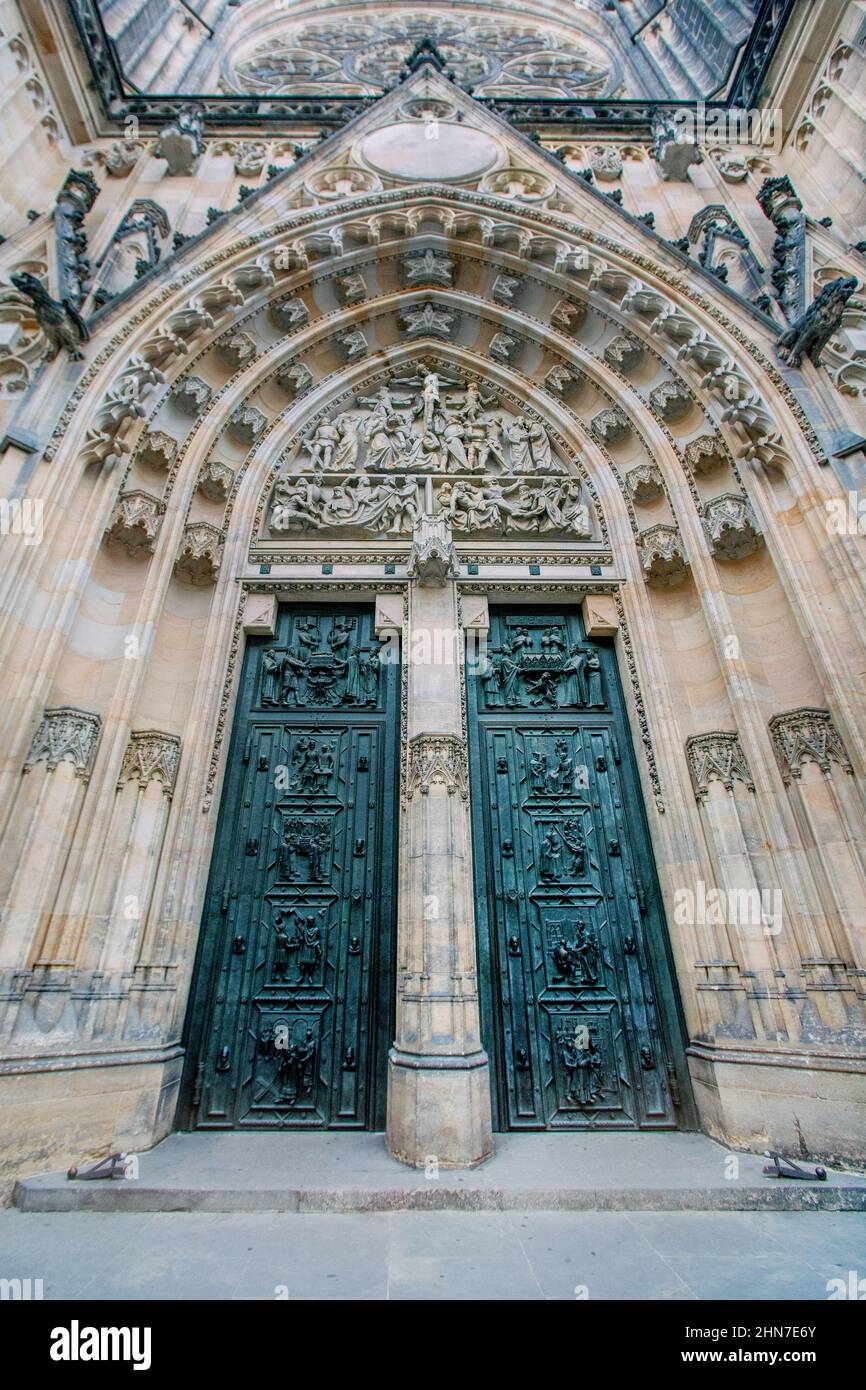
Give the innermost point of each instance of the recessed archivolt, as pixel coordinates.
(612, 387)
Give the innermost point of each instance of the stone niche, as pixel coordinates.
(430, 441)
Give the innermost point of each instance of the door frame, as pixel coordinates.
(671, 1017)
(204, 978)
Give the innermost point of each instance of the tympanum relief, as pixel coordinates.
(429, 442)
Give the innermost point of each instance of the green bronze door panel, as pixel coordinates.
(293, 1012)
(578, 1008)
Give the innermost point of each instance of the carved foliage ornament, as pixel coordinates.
(66, 734)
(807, 736)
(437, 760)
(717, 757)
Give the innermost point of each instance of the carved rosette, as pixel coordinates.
(437, 760)
(807, 736)
(428, 267)
(731, 528)
(662, 556)
(610, 426)
(671, 400)
(717, 757)
(644, 483)
(200, 555)
(428, 321)
(135, 523)
(66, 734)
(151, 757)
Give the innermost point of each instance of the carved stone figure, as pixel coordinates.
(61, 322)
(810, 334)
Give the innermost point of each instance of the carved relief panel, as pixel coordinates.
(294, 982)
(429, 441)
(576, 990)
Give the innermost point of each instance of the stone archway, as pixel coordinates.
(691, 452)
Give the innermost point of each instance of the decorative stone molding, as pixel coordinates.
(66, 734)
(200, 554)
(427, 321)
(432, 560)
(503, 346)
(437, 760)
(180, 142)
(238, 349)
(567, 315)
(558, 379)
(671, 400)
(246, 423)
(135, 523)
(623, 353)
(705, 455)
(190, 395)
(249, 158)
(778, 201)
(807, 736)
(289, 314)
(157, 449)
(731, 527)
(294, 377)
(428, 267)
(352, 289)
(121, 158)
(611, 425)
(506, 288)
(605, 162)
(353, 344)
(644, 483)
(717, 757)
(662, 556)
(215, 481)
(151, 756)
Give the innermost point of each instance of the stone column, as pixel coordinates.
(438, 1083)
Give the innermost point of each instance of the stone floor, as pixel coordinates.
(353, 1172)
(435, 1255)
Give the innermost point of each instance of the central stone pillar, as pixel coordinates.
(438, 1082)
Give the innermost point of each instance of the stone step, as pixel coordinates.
(339, 1173)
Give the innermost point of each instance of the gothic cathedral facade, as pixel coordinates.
(432, 620)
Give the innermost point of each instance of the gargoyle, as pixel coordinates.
(60, 321)
(811, 332)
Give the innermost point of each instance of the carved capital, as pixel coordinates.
(200, 554)
(190, 395)
(662, 556)
(644, 483)
(151, 756)
(705, 455)
(807, 736)
(157, 449)
(135, 523)
(671, 400)
(610, 426)
(437, 760)
(730, 526)
(215, 481)
(246, 423)
(66, 734)
(717, 757)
